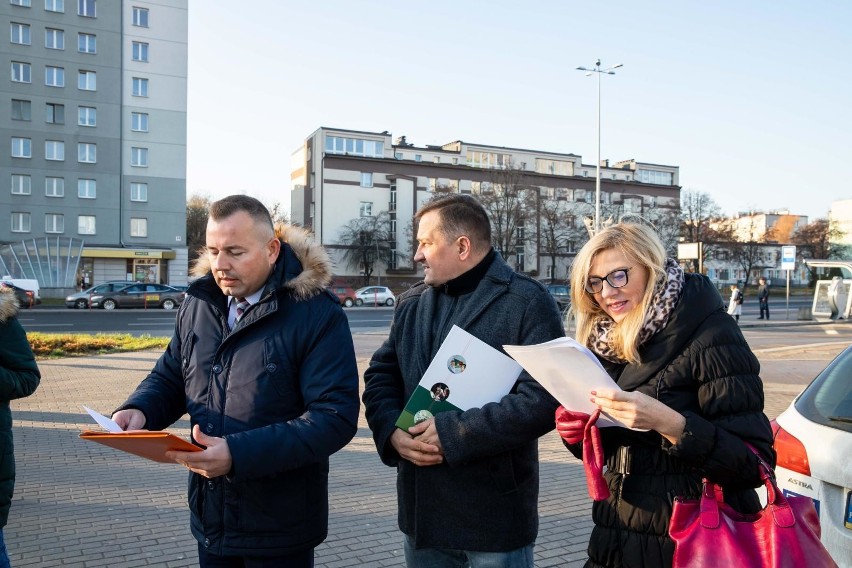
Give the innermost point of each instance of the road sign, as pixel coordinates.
(788, 257)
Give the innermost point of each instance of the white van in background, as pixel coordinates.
(25, 283)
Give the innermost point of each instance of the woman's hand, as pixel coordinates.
(640, 411)
(570, 425)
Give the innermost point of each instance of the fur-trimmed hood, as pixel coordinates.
(8, 304)
(310, 280)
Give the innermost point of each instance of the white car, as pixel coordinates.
(813, 438)
(374, 296)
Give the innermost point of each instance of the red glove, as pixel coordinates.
(570, 425)
(593, 460)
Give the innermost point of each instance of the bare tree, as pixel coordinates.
(367, 241)
(278, 214)
(748, 251)
(510, 202)
(667, 223)
(197, 209)
(556, 230)
(699, 216)
(814, 241)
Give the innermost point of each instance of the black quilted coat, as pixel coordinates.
(701, 366)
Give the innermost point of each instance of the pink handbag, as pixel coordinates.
(708, 533)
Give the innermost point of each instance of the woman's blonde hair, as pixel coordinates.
(641, 245)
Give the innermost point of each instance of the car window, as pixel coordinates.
(135, 289)
(828, 399)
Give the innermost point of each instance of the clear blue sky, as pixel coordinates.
(750, 99)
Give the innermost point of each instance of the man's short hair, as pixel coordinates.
(227, 206)
(461, 215)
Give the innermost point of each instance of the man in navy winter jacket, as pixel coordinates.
(262, 360)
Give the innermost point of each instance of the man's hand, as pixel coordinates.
(215, 461)
(427, 433)
(129, 419)
(416, 451)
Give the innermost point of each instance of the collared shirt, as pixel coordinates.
(232, 306)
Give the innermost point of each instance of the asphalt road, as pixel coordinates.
(156, 322)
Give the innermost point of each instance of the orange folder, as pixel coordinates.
(143, 443)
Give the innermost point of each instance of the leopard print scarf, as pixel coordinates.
(662, 305)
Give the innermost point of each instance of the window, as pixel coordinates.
(140, 51)
(54, 223)
(138, 227)
(22, 148)
(397, 155)
(354, 146)
(54, 150)
(54, 5)
(87, 43)
(54, 113)
(21, 72)
(139, 157)
(54, 187)
(21, 110)
(654, 176)
(138, 192)
(87, 189)
(54, 76)
(54, 39)
(140, 17)
(87, 81)
(86, 224)
(86, 8)
(87, 152)
(24, 3)
(20, 222)
(366, 179)
(87, 116)
(140, 87)
(366, 209)
(418, 157)
(22, 184)
(19, 33)
(139, 121)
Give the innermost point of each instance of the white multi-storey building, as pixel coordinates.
(338, 175)
(94, 169)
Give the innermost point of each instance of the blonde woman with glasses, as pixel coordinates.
(690, 393)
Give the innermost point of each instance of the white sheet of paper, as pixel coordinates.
(568, 371)
(108, 424)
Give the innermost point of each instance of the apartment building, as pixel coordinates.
(95, 159)
(338, 175)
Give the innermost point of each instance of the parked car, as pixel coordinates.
(813, 438)
(26, 298)
(561, 293)
(80, 300)
(345, 294)
(139, 295)
(374, 296)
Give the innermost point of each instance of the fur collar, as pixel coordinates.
(315, 274)
(8, 304)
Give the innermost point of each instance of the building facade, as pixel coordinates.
(338, 176)
(95, 161)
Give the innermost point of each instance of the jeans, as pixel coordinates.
(304, 559)
(448, 558)
(4, 554)
(764, 309)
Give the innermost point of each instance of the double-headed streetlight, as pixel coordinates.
(599, 71)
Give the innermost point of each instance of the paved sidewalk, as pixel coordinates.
(81, 504)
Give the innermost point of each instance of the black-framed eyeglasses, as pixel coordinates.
(616, 279)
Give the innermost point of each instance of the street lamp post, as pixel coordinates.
(608, 71)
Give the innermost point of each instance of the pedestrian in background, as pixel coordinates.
(19, 377)
(262, 360)
(467, 481)
(691, 394)
(735, 304)
(763, 298)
